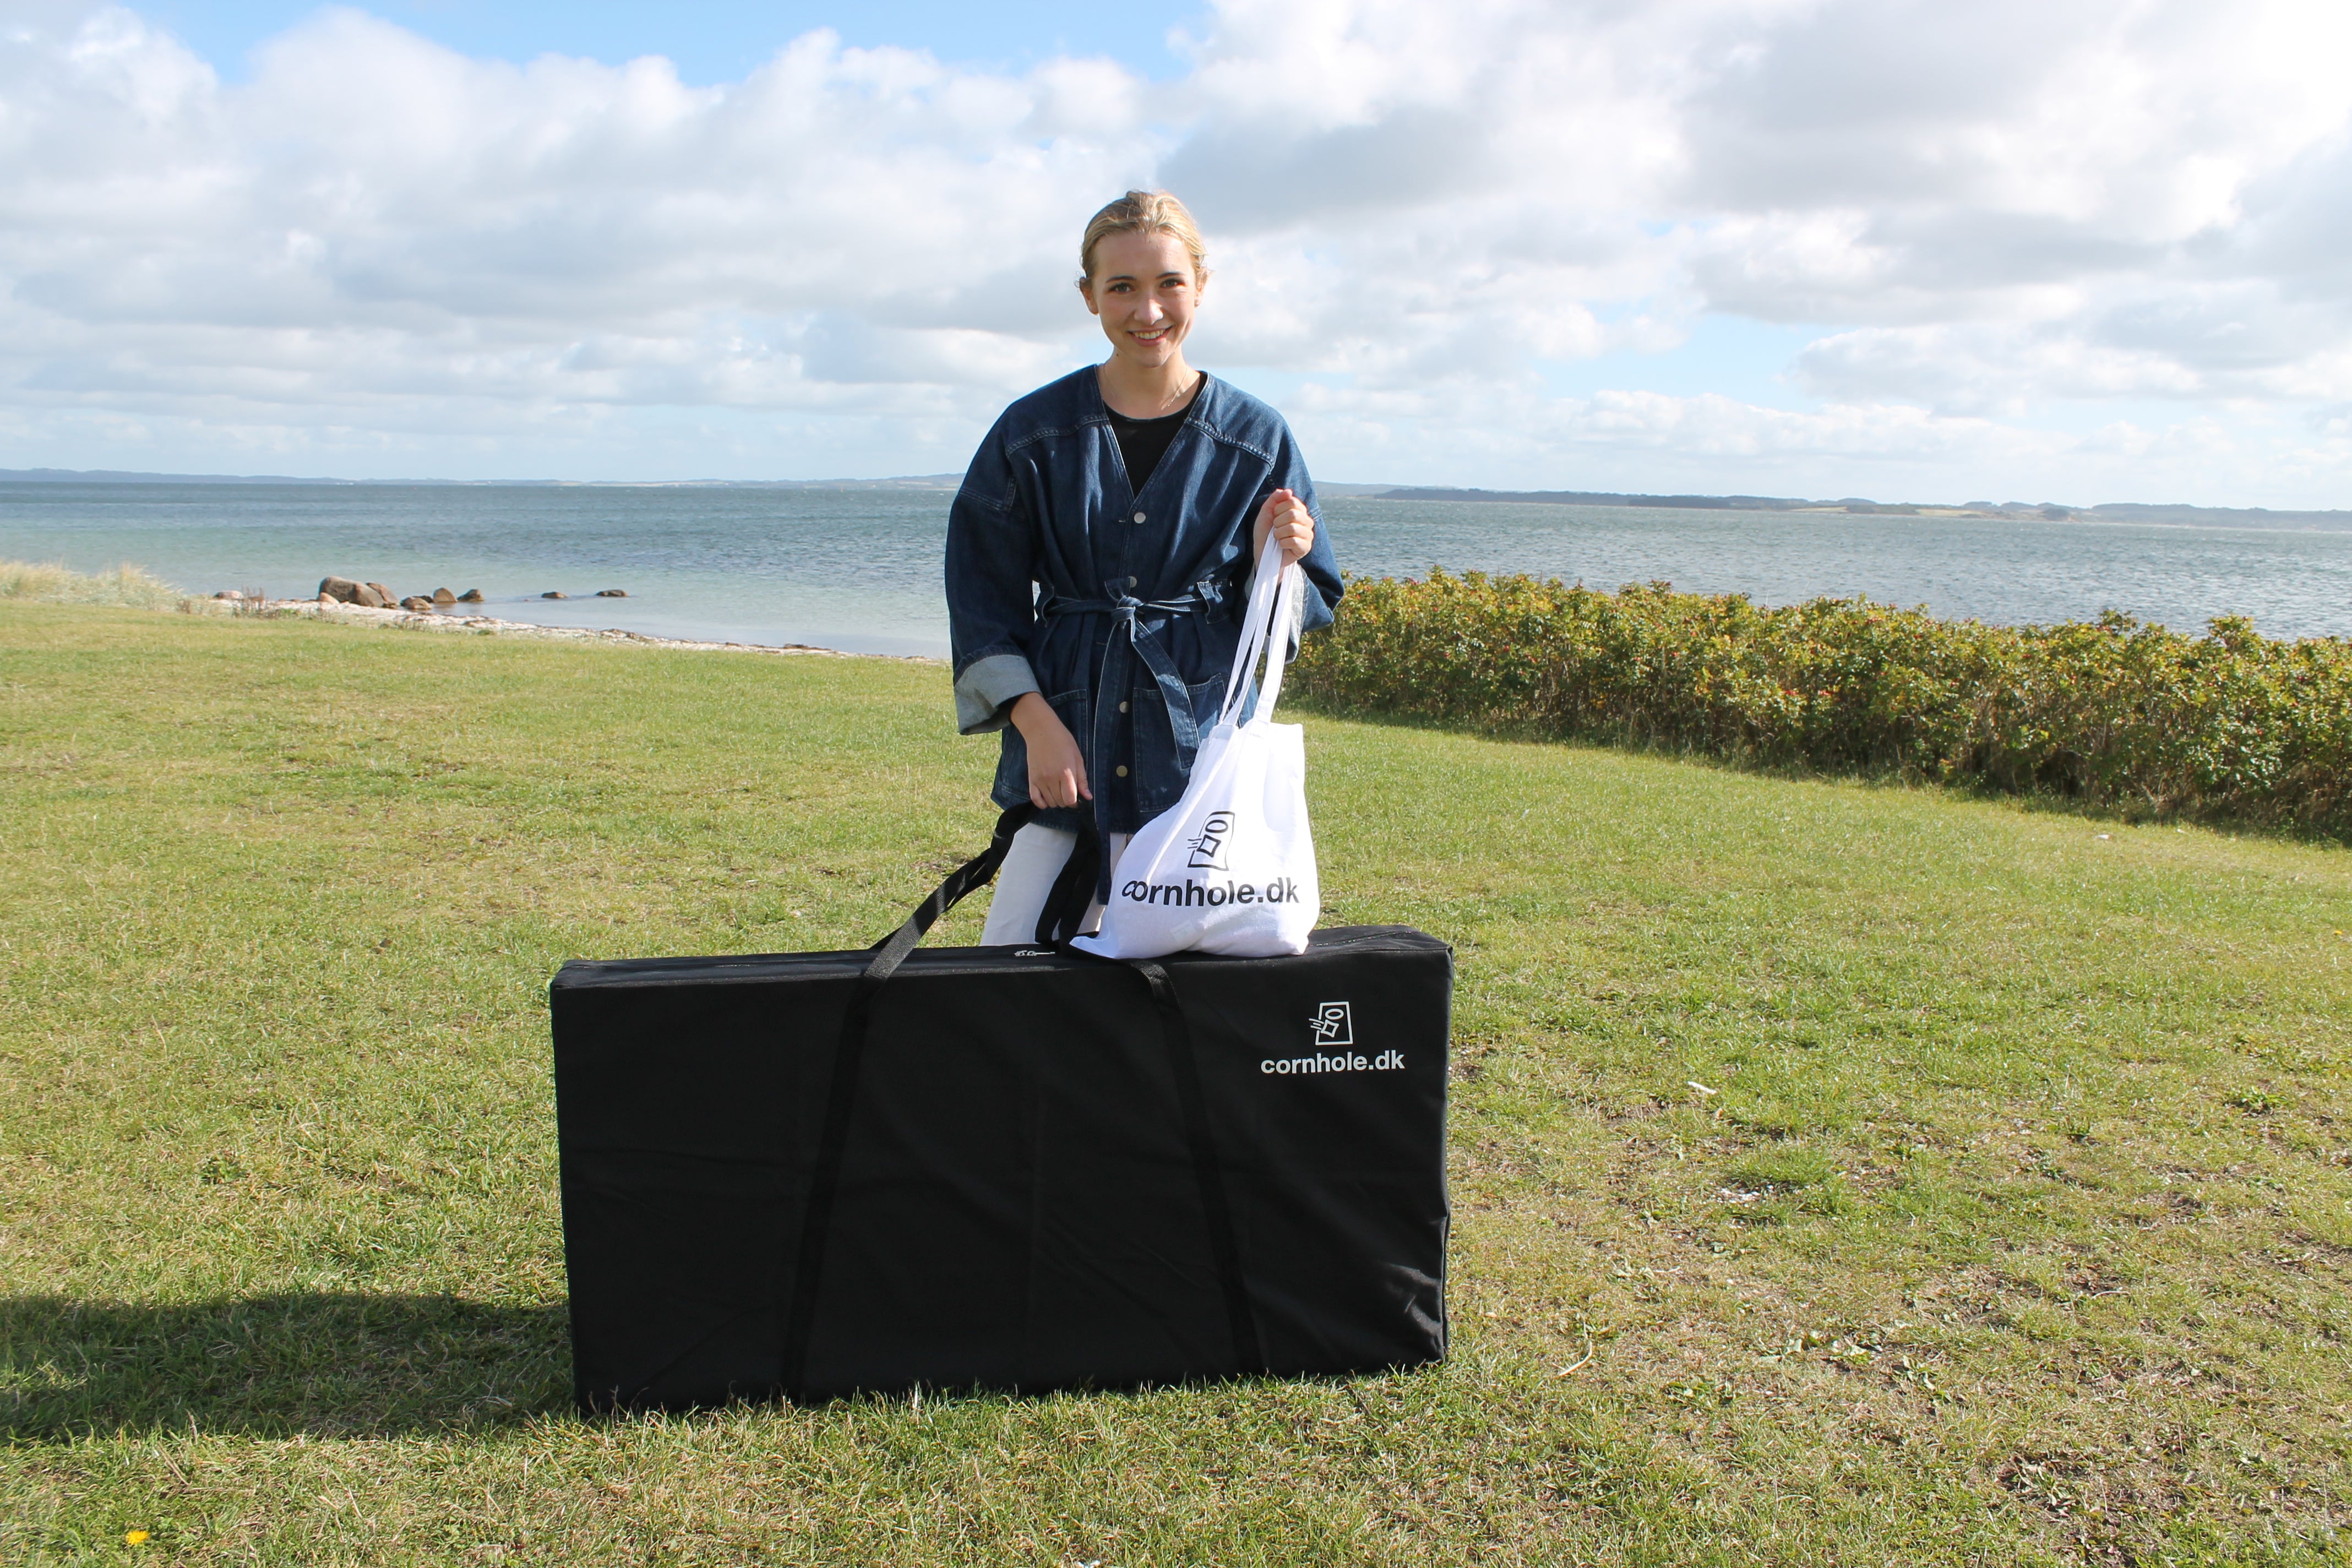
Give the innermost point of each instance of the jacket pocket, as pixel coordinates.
(1208, 696)
(1076, 710)
(1163, 772)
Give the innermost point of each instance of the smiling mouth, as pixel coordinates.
(1152, 336)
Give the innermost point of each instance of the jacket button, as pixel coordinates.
(1139, 516)
(1130, 581)
(1122, 707)
(1122, 770)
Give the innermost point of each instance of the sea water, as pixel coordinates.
(860, 568)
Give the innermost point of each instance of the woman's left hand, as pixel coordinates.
(1286, 520)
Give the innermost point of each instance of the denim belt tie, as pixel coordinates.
(1136, 625)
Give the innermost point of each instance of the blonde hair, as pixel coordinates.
(1145, 212)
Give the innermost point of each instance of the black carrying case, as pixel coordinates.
(812, 1174)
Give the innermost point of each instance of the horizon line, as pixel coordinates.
(1348, 489)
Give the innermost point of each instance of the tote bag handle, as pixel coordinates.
(1265, 630)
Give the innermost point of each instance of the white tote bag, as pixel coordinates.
(1229, 868)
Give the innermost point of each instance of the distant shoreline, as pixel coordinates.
(1857, 506)
(491, 626)
(2052, 511)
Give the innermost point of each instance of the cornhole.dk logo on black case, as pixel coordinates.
(1209, 850)
(1334, 1025)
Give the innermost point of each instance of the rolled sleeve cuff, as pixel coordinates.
(987, 687)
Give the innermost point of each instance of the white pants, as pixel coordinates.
(1027, 880)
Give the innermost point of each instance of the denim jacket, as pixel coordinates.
(1121, 609)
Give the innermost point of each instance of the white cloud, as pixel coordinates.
(377, 254)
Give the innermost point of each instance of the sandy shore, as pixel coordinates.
(491, 625)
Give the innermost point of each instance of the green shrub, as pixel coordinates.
(2113, 712)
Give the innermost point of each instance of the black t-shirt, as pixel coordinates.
(1143, 442)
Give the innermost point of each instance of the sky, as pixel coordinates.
(2081, 250)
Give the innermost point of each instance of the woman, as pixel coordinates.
(1135, 495)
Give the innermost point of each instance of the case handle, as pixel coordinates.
(1065, 909)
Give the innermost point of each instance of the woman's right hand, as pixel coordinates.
(1057, 769)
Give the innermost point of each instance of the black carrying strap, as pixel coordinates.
(1064, 914)
(1248, 1357)
(1059, 921)
(1064, 910)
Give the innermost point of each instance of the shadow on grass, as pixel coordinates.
(330, 1364)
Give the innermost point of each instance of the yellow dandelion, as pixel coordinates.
(133, 1537)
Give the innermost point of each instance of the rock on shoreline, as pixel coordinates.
(367, 595)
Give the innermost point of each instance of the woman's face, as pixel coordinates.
(1144, 290)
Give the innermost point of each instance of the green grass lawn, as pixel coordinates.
(1844, 1175)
